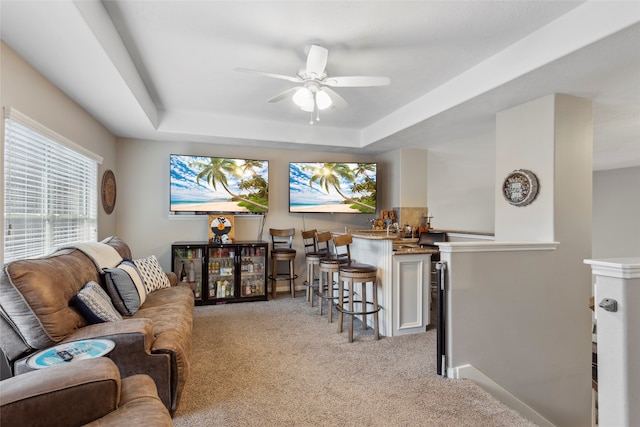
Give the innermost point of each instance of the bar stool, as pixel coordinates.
(312, 259)
(329, 267)
(316, 247)
(352, 273)
(281, 250)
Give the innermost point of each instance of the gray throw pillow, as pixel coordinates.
(95, 305)
(125, 287)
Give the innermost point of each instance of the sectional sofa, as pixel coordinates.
(59, 298)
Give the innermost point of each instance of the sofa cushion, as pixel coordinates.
(95, 305)
(152, 274)
(125, 287)
(37, 296)
(70, 394)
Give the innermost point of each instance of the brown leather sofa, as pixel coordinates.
(82, 393)
(38, 310)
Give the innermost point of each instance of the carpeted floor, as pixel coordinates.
(278, 363)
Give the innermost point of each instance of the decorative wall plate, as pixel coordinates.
(221, 228)
(520, 187)
(108, 191)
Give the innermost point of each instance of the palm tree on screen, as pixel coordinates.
(216, 171)
(368, 185)
(364, 168)
(329, 175)
(256, 183)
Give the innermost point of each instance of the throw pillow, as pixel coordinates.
(152, 274)
(95, 305)
(125, 287)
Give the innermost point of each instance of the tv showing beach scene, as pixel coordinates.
(332, 187)
(218, 184)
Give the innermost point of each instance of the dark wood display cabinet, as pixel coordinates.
(222, 273)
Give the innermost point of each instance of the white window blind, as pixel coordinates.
(50, 192)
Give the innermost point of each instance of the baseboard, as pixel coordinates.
(472, 373)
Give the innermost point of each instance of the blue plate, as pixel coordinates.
(85, 349)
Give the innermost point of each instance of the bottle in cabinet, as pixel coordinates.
(221, 275)
(224, 273)
(183, 274)
(188, 261)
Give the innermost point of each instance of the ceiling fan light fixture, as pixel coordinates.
(303, 98)
(323, 100)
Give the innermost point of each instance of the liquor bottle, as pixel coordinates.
(183, 274)
(192, 272)
(212, 289)
(227, 289)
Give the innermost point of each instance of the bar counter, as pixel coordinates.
(403, 278)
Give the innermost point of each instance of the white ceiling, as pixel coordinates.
(164, 70)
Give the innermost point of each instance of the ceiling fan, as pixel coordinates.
(315, 93)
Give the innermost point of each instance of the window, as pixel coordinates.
(50, 190)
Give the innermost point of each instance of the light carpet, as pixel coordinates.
(279, 363)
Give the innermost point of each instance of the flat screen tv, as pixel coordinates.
(219, 185)
(332, 187)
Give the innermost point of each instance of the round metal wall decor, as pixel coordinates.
(108, 191)
(520, 187)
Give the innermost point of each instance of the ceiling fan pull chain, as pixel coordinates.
(311, 118)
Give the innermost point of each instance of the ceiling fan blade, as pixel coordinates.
(283, 95)
(337, 100)
(316, 61)
(356, 81)
(273, 75)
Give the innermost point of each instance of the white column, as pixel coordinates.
(618, 283)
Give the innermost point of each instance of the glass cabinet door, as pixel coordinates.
(221, 270)
(188, 264)
(252, 271)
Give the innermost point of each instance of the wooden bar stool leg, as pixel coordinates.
(274, 281)
(330, 295)
(310, 282)
(375, 307)
(364, 305)
(350, 286)
(321, 294)
(320, 291)
(292, 283)
(340, 304)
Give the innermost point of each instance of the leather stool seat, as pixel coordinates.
(356, 268)
(333, 261)
(283, 252)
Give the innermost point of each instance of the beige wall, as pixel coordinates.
(24, 89)
(616, 213)
(460, 184)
